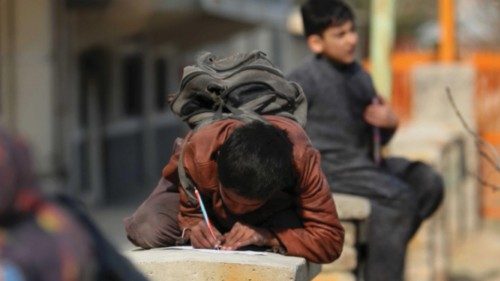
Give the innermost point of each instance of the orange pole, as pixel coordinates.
(447, 46)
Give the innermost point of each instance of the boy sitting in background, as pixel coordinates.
(344, 111)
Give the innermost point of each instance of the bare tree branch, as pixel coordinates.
(486, 150)
(483, 182)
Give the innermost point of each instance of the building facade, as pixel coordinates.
(86, 81)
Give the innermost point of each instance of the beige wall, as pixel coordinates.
(27, 74)
(6, 63)
(107, 25)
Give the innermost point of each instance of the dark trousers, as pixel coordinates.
(154, 223)
(402, 195)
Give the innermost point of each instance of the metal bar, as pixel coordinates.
(8, 64)
(381, 43)
(447, 46)
(148, 132)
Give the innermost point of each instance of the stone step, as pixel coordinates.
(351, 207)
(350, 233)
(165, 264)
(335, 276)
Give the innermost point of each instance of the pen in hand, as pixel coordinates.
(205, 216)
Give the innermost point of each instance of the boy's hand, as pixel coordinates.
(201, 237)
(381, 115)
(242, 235)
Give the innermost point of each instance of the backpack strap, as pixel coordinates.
(239, 113)
(186, 183)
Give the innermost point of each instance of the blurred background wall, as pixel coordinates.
(86, 80)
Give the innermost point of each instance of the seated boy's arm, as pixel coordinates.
(321, 237)
(382, 116)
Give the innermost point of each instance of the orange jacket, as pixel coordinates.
(304, 220)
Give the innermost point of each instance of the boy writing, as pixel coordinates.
(260, 181)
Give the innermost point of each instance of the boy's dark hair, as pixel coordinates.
(318, 15)
(256, 160)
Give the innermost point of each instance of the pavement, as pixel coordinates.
(110, 222)
(476, 259)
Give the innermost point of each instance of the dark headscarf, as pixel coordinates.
(18, 187)
(49, 239)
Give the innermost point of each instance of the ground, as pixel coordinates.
(477, 259)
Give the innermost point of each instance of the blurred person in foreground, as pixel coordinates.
(48, 239)
(346, 120)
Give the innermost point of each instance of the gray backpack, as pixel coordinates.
(243, 87)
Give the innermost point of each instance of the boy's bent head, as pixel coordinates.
(255, 162)
(330, 30)
(318, 15)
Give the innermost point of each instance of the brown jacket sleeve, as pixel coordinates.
(322, 236)
(169, 172)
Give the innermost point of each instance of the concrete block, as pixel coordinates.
(418, 265)
(445, 148)
(427, 255)
(471, 194)
(166, 264)
(430, 102)
(350, 233)
(347, 261)
(335, 276)
(351, 207)
(424, 141)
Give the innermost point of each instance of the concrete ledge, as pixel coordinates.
(450, 151)
(336, 276)
(350, 233)
(351, 207)
(173, 264)
(424, 141)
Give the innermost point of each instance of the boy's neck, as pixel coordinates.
(337, 64)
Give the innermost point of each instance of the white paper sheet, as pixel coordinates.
(250, 253)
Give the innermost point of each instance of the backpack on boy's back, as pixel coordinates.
(242, 86)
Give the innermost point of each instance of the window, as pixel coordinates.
(161, 86)
(133, 84)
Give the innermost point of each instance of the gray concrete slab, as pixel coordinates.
(350, 207)
(200, 265)
(109, 219)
